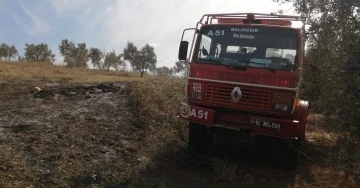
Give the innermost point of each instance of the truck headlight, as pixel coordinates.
(184, 110)
(195, 95)
(281, 107)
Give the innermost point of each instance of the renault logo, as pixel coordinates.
(236, 94)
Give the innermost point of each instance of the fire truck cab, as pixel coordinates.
(244, 76)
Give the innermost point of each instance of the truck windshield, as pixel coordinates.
(248, 46)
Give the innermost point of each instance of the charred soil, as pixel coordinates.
(67, 136)
(127, 135)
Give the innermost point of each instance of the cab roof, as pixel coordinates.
(250, 18)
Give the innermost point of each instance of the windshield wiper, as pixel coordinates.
(236, 67)
(261, 64)
(210, 59)
(234, 64)
(229, 63)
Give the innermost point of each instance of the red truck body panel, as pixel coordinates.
(209, 87)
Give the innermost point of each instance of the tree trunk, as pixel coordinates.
(142, 73)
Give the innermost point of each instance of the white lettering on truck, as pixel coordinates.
(243, 36)
(249, 30)
(216, 32)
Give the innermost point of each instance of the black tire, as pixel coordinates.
(288, 156)
(199, 138)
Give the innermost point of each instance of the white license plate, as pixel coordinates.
(265, 124)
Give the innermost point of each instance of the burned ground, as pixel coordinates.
(242, 165)
(127, 135)
(68, 136)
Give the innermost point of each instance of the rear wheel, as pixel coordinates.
(199, 138)
(288, 156)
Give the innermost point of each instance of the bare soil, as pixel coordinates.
(68, 136)
(79, 135)
(234, 164)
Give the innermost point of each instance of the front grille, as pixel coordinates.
(252, 98)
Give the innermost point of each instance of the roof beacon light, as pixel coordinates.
(250, 17)
(230, 20)
(276, 22)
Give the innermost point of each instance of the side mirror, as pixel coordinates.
(204, 51)
(183, 50)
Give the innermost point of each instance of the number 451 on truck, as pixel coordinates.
(244, 76)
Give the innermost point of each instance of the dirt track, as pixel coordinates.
(87, 136)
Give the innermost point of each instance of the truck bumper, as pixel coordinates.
(273, 127)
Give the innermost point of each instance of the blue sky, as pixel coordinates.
(109, 24)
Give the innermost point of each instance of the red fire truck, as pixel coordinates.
(244, 76)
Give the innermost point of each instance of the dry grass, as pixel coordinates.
(95, 148)
(49, 72)
(156, 102)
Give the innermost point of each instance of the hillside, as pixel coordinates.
(48, 72)
(89, 128)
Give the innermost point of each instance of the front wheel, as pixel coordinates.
(288, 156)
(199, 138)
